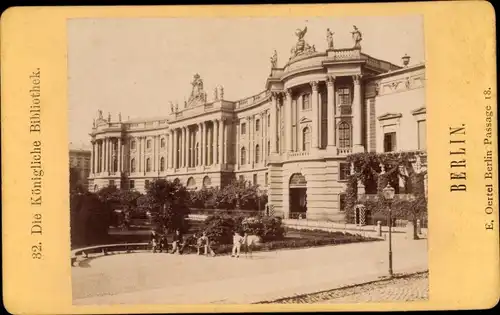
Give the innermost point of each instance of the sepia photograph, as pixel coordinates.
(247, 160)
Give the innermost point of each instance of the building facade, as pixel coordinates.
(79, 160)
(292, 139)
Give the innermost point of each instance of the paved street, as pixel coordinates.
(149, 278)
(410, 288)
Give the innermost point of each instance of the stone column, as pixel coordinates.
(315, 120)
(198, 137)
(214, 142)
(119, 154)
(263, 142)
(288, 121)
(174, 149)
(221, 141)
(331, 111)
(227, 145)
(273, 124)
(357, 119)
(92, 156)
(170, 149)
(104, 151)
(205, 146)
(144, 155)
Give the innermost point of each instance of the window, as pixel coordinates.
(344, 135)
(132, 166)
(162, 143)
(207, 182)
(344, 171)
(197, 154)
(243, 128)
(389, 142)
(269, 120)
(255, 179)
(268, 147)
(306, 104)
(243, 156)
(146, 183)
(112, 182)
(162, 164)
(115, 164)
(242, 178)
(148, 144)
(257, 153)
(344, 96)
(191, 183)
(148, 165)
(266, 179)
(342, 202)
(131, 184)
(132, 144)
(422, 135)
(306, 139)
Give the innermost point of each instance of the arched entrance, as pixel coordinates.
(298, 196)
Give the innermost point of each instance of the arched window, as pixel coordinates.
(191, 183)
(306, 139)
(162, 143)
(206, 181)
(132, 166)
(243, 156)
(148, 165)
(257, 153)
(344, 135)
(162, 164)
(197, 154)
(148, 144)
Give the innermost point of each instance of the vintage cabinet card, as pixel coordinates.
(249, 158)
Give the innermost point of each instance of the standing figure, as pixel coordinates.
(274, 59)
(237, 241)
(357, 37)
(329, 38)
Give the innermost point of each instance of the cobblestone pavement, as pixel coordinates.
(147, 278)
(409, 288)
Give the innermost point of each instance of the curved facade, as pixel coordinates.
(291, 139)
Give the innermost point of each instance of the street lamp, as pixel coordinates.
(388, 193)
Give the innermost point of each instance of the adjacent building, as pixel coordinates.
(292, 138)
(80, 156)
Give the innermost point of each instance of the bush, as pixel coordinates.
(220, 227)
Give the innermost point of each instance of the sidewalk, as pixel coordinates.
(268, 276)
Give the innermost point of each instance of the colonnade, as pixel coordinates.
(284, 99)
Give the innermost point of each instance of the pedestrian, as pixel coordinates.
(204, 242)
(177, 243)
(154, 241)
(237, 241)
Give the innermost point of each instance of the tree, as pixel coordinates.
(168, 202)
(240, 194)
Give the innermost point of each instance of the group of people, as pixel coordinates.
(202, 242)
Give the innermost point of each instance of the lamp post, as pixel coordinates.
(388, 193)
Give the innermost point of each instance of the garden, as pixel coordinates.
(113, 215)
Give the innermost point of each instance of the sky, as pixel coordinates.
(136, 66)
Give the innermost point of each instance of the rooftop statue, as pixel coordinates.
(221, 92)
(198, 96)
(171, 107)
(357, 37)
(329, 38)
(99, 114)
(301, 47)
(274, 59)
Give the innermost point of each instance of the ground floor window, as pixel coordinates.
(131, 184)
(146, 184)
(342, 201)
(389, 142)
